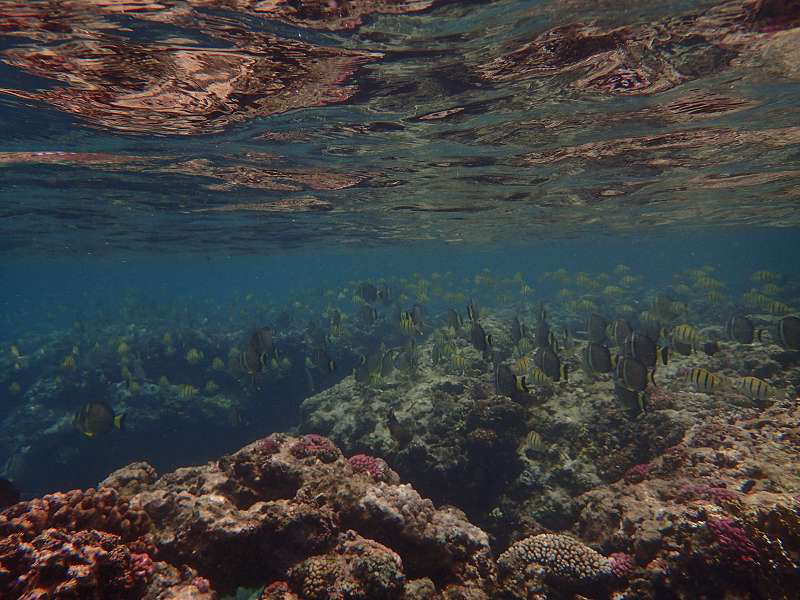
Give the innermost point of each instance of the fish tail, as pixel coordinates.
(119, 421)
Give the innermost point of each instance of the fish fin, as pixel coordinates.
(88, 434)
(119, 421)
(565, 372)
(652, 377)
(614, 360)
(664, 354)
(641, 398)
(759, 335)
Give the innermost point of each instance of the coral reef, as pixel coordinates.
(77, 510)
(90, 564)
(280, 509)
(529, 565)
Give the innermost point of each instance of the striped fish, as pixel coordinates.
(705, 381)
(755, 388)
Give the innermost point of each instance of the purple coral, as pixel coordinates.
(267, 445)
(734, 541)
(638, 473)
(621, 564)
(315, 445)
(372, 466)
(715, 494)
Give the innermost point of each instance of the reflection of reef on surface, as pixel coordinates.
(174, 87)
(644, 59)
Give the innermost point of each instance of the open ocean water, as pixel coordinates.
(525, 252)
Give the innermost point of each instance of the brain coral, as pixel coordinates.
(548, 558)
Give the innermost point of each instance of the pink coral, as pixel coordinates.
(315, 445)
(76, 510)
(638, 473)
(621, 564)
(268, 445)
(699, 491)
(734, 541)
(60, 564)
(372, 466)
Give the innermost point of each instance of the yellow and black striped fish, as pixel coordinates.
(706, 381)
(755, 388)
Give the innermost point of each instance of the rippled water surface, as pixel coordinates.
(238, 126)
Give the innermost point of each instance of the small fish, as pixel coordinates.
(618, 331)
(217, 364)
(458, 362)
(705, 381)
(310, 385)
(250, 361)
(509, 384)
(537, 376)
(97, 417)
(632, 374)
(755, 388)
(187, 390)
(473, 311)
(387, 363)
(522, 365)
(407, 324)
(777, 308)
(788, 331)
(631, 398)
(517, 330)
(533, 442)
(547, 360)
(479, 338)
(367, 314)
(454, 320)
(597, 358)
(765, 276)
(436, 354)
(68, 363)
(524, 346)
(686, 335)
(541, 313)
(194, 356)
(367, 292)
(9, 494)
(740, 329)
(596, 328)
(14, 388)
(361, 374)
(400, 433)
(641, 347)
(386, 293)
(261, 341)
(322, 360)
